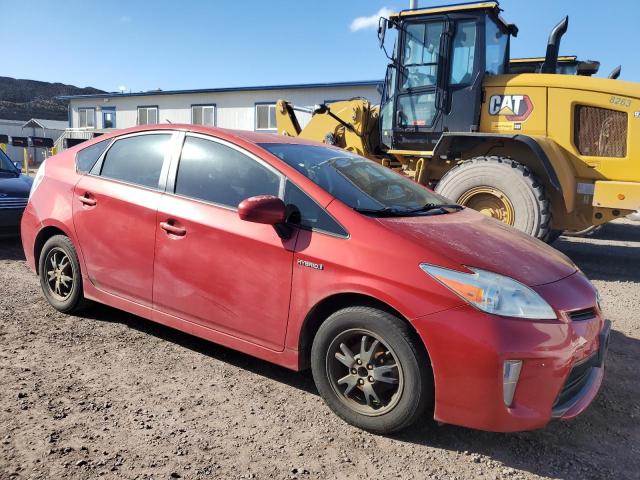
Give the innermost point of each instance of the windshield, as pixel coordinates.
(356, 181)
(6, 165)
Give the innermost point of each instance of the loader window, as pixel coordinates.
(497, 46)
(464, 53)
(421, 54)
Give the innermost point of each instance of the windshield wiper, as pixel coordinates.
(8, 170)
(429, 207)
(383, 212)
(394, 212)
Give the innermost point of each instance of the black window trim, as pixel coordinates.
(96, 171)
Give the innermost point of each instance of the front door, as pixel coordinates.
(114, 212)
(212, 268)
(108, 117)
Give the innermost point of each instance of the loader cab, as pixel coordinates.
(434, 81)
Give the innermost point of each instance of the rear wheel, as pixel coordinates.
(370, 370)
(502, 189)
(60, 276)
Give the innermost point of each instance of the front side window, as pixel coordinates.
(464, 53)
(87, 157)
(421, 54)
(86, 117)
(216, 173)
(147, 115)
(137, 159)
(266, 117)
(356, 181)
(203, 115)
(497, 46)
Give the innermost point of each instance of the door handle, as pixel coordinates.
(87, 200)
(169, 228)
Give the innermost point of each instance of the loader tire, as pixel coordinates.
(500, 188)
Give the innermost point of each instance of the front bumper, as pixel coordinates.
(468, 349)
(584, 380)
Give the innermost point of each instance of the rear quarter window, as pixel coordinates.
(87, 157)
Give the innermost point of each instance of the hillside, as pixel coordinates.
(26, 99)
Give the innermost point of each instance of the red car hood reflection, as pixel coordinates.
(472, 239)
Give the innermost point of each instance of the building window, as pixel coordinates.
(87, 117)
(203, 115)
(147, 115)
(266, 117)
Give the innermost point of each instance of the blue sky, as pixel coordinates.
(199, 44)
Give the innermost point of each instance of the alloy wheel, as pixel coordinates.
(59, 271)
(364, 372)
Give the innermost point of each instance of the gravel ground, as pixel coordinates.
(116, 396)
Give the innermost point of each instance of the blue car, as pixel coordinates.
(14, 194)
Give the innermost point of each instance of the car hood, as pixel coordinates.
(12, 186)
(471, 239)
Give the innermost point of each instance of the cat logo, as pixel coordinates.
(516, 108)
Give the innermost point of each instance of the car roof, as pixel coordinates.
(227, 134)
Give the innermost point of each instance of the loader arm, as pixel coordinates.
(350, 124)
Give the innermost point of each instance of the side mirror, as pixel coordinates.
(382, 30)
(265, 209)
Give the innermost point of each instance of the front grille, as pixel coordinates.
(12, 203)
(600, 132)
(584, 314)
(577, 378)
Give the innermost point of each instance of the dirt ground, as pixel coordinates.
(114, 396)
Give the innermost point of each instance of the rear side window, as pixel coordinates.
(87, 157)
(137, 159)
(219, 174)
(308, 214)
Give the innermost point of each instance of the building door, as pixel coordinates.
(108, 117)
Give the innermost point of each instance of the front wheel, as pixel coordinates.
(370, 369)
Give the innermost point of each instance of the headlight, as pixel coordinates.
(493, 293)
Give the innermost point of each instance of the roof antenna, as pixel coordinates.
(168, 121)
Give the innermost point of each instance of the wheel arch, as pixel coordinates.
(41, 238)
(331, 304)
(541, 154)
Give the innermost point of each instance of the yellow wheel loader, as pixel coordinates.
(542, 152)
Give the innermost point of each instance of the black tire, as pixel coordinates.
(59, 251)
(532, 213)
(398, 351)
(554, 235)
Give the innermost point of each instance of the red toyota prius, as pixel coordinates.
(403, 305)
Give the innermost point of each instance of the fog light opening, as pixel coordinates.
(510, 374)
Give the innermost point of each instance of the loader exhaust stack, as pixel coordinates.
(550, 64)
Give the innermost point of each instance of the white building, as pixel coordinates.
(244, 108)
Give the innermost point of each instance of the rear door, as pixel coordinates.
(211, 268)
(114, 211)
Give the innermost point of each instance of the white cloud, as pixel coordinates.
(126, 19)
(362, 23)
